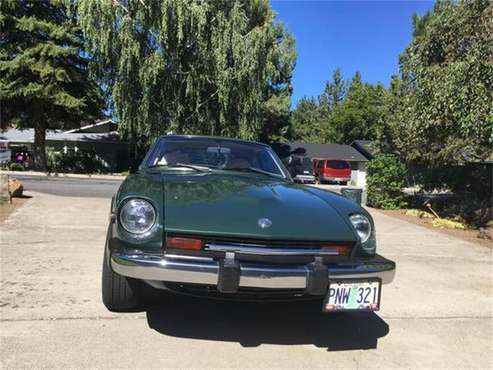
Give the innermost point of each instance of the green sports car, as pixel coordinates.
(222, 218)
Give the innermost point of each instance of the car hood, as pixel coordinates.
(228, 204)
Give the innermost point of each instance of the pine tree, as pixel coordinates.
(44, 78)
(335, 91)
(307, 122)
(359, 116)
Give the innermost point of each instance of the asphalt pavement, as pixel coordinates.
(70, 187)
(87, 187)
(438, 312)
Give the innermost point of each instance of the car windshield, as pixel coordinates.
(217, 153)
(303, 163)
(338, 164)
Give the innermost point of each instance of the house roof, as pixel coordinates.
(325, 151)
(17, 136)
(364, 147)
(99, 127)
(27, 136)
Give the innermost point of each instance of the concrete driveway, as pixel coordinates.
(438, 313)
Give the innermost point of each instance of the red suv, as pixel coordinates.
(333, 170)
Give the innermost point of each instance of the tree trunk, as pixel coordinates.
(39, 148)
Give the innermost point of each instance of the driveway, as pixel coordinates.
(438, 313)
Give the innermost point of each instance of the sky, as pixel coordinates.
(365, 36)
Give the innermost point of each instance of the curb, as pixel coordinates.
(62, 175)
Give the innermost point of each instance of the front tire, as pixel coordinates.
(120, 294)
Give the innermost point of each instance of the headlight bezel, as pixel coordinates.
(356, 218)
(128, 230)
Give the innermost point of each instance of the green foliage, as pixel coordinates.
(14, 166)
(334, 92)
(44, 80)
(53, 160)
(308, 123)
(192, 67)
(74, 162)
(442, 105)
(359, 115)
(385, 180)
(344, 112)
(471, 185)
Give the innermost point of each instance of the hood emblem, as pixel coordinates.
(264, 223)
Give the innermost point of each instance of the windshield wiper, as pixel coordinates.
(253, 169)
(183, 165)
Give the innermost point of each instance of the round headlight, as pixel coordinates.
(137, 216)
(362, 226)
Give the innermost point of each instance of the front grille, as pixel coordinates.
(271, 242)
(282, 250)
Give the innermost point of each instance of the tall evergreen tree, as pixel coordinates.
(334, 91)
(308, 124)
(360, 114)
(192, 67)
(342, 113)
(44, 78)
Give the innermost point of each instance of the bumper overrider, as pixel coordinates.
(229, 275)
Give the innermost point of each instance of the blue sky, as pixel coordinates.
(354, 35)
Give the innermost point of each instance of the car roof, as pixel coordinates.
(222, 138)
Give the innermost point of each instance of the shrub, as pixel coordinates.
(14, 166)
(5, 166)
(386, 178)
(74, 162)
(466, 191)
(53, 160)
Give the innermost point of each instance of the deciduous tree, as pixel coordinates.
(192, 67)
(443, 114)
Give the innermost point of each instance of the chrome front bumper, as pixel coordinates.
(203, 270)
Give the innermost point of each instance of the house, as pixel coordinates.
(330, 151)
(101, 138)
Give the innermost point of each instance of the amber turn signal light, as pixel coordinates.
(184, 243)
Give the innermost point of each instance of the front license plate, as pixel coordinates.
(353, 295)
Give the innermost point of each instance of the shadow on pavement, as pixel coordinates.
(252, 324)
